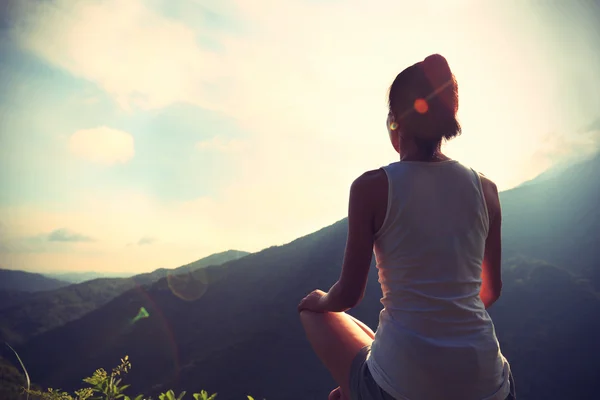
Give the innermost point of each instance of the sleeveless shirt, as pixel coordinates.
(435, 339)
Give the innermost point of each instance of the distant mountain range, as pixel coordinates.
(21, 281)
(23, 315)
(556, 218)
(78, 277)
(241, 334)
(214, 259)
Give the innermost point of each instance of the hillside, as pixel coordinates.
(25, 317)
(27, 281)
(243, 335)
(557, 219)
(10, 298)
(78, 277)
(213, 259)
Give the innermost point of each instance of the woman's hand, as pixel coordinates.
(313, 302)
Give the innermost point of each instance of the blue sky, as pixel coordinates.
(142, 134)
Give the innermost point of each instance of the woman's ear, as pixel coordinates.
(393, 124)
(394, 134)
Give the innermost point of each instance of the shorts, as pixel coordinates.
(363, 386)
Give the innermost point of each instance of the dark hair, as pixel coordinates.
(424, 100)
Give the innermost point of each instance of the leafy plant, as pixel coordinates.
(203, 395)
(105, 386)
(170, 395)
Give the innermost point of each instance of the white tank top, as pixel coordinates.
(435, 340)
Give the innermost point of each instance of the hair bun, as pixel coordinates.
(437, 70)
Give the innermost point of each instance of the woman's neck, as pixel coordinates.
(437, 156)
(412, 150)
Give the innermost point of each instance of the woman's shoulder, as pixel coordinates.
(491, 196)
(372, 178)
(371, 184)
(488, 185)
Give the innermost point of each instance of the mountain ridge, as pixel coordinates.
(23, 281)
(79, 277)
(22, 317)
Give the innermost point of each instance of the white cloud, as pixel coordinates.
(565, 147)
(66, 235)
(102, 145)
(146, 240)
(134, 54)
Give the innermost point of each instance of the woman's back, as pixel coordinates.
(435, 227)
(435, 338)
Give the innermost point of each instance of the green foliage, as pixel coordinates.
(203, 395)
(105, 386)
(11, 381)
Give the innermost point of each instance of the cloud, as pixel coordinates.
(594, 126)
(568, 146)
(58, 241)
(146, 241)
(65, 235)
(102, 145)
(286, 86)
(127, 49)
(139, 57)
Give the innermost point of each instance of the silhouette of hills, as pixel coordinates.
(556, 219)
(27, 281)
(79, 277)
(23, 316)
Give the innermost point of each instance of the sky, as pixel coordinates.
(144, 134)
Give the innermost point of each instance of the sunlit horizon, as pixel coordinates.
(148, 134)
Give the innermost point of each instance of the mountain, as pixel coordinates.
(234, 329)
(10, 298)
(78, 277)
(234, 332)
(27, 281)
(213, 259)
(23, 317)
(557, 219)
(12, 380)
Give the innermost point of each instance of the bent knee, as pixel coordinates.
(308, 317)
(307, 314)
(311, 317)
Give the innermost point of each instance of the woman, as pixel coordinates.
(434, 226)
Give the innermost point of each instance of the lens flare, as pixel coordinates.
(140, 315)
(421, 106)
(188, 286)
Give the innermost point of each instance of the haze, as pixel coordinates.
(145, 134)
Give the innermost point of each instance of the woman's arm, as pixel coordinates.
(491, 273)
(348, 291)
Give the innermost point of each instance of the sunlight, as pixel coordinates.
(176, 178)
(276, 115)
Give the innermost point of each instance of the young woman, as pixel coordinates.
(434, 226)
